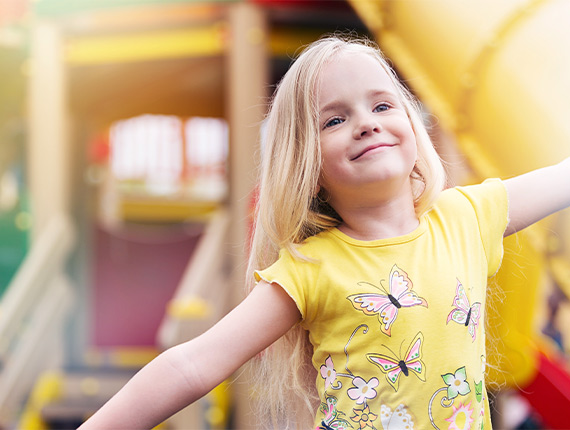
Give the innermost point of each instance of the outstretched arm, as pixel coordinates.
(186, 372)
(537, 194)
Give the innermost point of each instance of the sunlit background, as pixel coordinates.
(129, 141)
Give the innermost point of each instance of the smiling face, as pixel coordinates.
(368, 145)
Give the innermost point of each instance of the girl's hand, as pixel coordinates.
(188, 371)
(536, 194)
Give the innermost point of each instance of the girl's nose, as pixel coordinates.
(367, 126)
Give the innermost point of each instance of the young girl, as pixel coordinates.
(373, 280)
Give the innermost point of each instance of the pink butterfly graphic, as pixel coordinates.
(463, 312)
(386, 305)
(393, 367)
(332, 420)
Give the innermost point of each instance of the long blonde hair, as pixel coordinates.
(288, 212)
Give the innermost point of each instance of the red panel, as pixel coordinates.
(134, 277)
(549, 392)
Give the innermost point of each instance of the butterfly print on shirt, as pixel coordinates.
(332, 420)
(463, 313)
(398, 419)
(387, 304)
(395, 366)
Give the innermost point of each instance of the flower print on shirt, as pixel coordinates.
(385, 305)
(479, 391)
(461, 419)
(328, 373)
(456, 383)
(364, 418)
(480, 396)
(362, 390)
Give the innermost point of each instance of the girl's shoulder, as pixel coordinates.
(491, 193)
(314, 245)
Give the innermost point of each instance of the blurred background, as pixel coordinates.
(129, 141)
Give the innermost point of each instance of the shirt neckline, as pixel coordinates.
(414, 234)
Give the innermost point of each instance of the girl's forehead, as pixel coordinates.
(353, 70)
(356, 63)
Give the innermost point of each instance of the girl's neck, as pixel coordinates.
(389, 219)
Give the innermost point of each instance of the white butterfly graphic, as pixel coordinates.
(464, 313)
(399, 419)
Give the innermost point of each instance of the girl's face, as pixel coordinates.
(367, 142)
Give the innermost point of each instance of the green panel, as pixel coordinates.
(13, 245)
(14, 215)
(63, 7)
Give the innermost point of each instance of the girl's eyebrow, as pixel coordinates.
(331, 106)
(383, 93)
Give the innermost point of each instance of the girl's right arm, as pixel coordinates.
(186, 372)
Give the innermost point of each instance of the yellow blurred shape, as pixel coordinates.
(47, 389)
(180, 43)
(132, 357)
(165, 210)
(193, 308)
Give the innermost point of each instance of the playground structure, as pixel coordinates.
(494, 75)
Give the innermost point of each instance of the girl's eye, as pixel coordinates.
(382, 107)
(333, 122)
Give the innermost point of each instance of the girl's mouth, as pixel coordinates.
(379, 146)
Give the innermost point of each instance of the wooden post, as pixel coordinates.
(247, 68)
(48, 149)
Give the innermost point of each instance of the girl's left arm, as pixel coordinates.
(537, 194)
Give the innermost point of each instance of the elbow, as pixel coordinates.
(183, 361)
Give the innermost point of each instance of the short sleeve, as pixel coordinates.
(490, 202)
(284, 273)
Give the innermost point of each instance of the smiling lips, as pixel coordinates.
(371, 148)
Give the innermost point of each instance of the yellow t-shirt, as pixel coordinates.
(397, 325)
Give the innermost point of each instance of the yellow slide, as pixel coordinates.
(496, 74)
